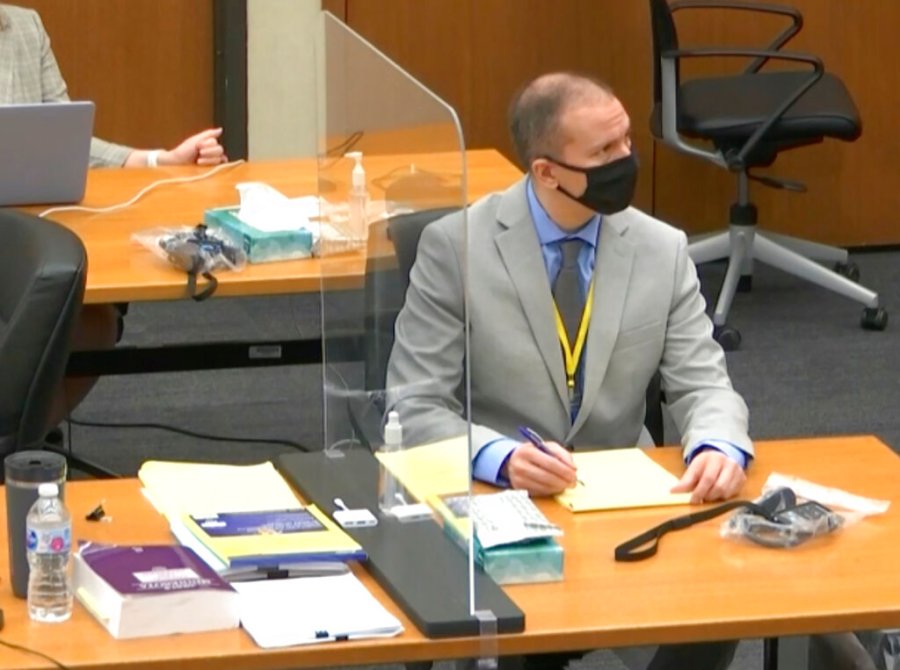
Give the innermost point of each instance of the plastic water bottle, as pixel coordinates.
(48, 539)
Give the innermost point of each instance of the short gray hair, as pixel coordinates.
(536, 109)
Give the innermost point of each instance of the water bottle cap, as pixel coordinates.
(48, 490)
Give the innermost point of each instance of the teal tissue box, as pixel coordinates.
(534, 561)
(260, 246)
(521, 563)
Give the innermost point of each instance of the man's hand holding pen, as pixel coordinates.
(541, 468)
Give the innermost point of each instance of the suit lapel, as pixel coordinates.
(612, 274)
(520, 252)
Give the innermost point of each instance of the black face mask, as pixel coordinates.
(610, 187)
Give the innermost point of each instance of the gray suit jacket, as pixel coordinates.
(29, 73)
(648, 314)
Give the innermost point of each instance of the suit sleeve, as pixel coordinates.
(426, 369)
(695, 377)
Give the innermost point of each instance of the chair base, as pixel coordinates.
(742, 245)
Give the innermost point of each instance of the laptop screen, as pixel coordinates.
(44, 152)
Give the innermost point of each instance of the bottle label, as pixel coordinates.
(49, 541)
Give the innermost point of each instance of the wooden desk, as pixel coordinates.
(698, 587)
(121, 271)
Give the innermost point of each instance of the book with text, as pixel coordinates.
(272, 538)
(140, 591)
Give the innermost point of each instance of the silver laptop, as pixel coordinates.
(44, 152)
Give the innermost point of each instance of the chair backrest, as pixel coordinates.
(665, 37)
(42, 274)
(404, 231)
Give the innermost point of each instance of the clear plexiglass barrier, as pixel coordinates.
(392, 164)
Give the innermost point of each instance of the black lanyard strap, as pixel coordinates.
(631, 550)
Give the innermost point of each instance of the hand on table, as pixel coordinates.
(539, 473)
(711, 476)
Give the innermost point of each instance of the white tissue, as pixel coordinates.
(267, 209)
(827, 495)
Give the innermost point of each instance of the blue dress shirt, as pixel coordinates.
(493, 456)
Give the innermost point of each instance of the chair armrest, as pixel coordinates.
(734, 162)
(783, 38)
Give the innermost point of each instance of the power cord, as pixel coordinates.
(188, 433)
(140, 194)
(34, 652)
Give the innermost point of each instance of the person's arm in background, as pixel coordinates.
(201, 149)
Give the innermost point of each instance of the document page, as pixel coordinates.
(619, 479)
(306, 610)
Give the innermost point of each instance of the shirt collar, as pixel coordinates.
(548, 231)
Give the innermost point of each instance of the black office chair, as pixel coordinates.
(42, 274)
(750, 118)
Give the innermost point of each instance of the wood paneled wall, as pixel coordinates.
(476, 53)
(148, 64)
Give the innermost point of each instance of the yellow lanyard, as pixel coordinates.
(572, 356)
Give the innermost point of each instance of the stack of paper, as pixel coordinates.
(285, 612)
(238, 515)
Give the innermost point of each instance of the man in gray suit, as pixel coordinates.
(644, 312)
(581, 386)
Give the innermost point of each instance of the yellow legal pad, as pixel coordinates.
(619, 479)
(435, 469)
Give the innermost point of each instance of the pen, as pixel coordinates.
(538, 442)
(310, 569)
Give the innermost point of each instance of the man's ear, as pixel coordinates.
(542, 172)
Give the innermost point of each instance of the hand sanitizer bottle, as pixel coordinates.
(388, 487)
(358, 199)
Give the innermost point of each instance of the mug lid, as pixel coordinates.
(35, 466)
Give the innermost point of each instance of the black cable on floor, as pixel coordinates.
(188, 433)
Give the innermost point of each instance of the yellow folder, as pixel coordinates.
(176, 487)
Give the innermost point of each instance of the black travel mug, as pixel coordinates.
(25, 471)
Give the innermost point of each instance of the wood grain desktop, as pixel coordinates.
(119, 270)
(699, 587)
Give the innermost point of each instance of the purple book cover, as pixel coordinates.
(151, 568)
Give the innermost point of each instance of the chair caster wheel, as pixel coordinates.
(745, 284)
(850, 270)
(874, 318)
(728, 338)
